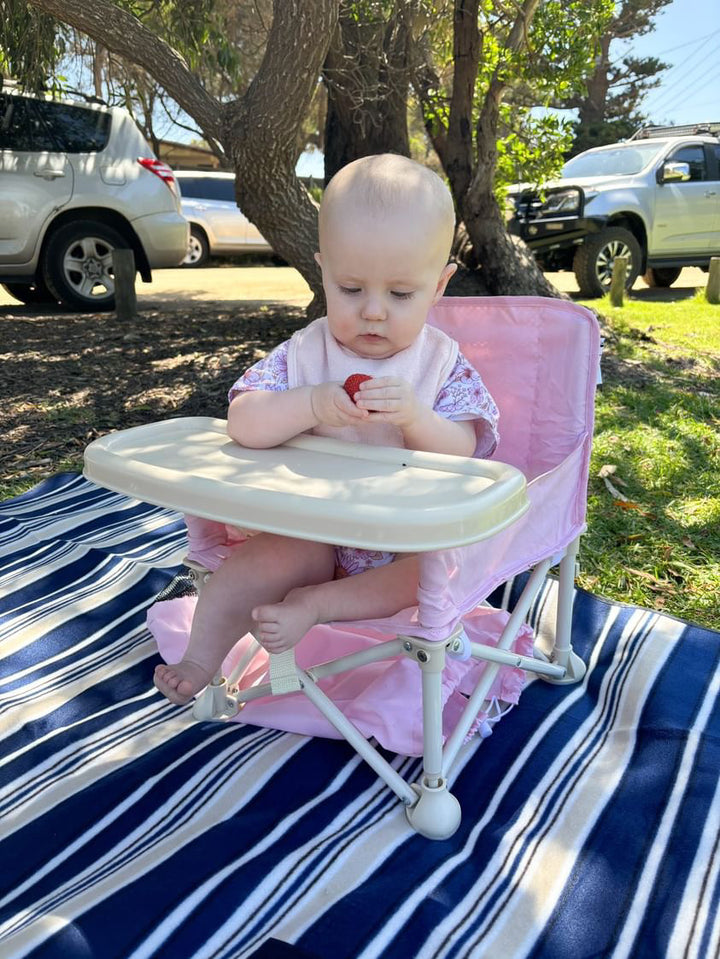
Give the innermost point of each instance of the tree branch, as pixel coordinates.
(123, 34)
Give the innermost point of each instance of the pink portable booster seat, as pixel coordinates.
(539, 359)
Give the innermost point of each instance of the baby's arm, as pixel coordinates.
(263, 418)
(393, 400)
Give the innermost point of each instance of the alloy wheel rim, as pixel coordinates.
(88, 268)
(606, 260)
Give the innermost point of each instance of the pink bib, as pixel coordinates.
(315, 356)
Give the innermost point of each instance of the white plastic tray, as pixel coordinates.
(311, 487)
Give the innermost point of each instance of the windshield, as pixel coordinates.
(619, 161)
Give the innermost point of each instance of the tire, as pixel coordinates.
(662, 276)
(36, 294)
(594, 260)
(198, 248)
(77, 265)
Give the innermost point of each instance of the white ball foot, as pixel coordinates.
(436, 814)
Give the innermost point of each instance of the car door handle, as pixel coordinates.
(49, 174)
(710, 193)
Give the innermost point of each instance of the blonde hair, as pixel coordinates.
(387, 182)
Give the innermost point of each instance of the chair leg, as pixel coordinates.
(436, 813)
(563, 653)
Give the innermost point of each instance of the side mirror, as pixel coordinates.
(673, 172)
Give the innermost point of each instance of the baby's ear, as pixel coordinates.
(318, 259)
(447, 272)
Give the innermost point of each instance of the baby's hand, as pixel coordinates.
(332, 406)
(390, 399)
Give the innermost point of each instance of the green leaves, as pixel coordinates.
(31, 45)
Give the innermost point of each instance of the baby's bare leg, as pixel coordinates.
(378, 592)
(262, 570)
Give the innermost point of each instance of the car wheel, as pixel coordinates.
(35, 294)
(594, 260)
(198, 248)
(661, 276)
(78, 265)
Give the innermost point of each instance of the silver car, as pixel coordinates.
(654, 200)
(217, 227)
(78, 181)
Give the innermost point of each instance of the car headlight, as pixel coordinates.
(562, 202)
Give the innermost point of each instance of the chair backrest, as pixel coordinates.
(539, 359)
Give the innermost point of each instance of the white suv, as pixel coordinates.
(76, 182)
(217, 226)
(654, 199)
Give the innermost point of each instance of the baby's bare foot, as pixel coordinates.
(281, 626)
(179, 683)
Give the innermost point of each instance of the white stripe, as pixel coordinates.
(682, 939)
(83, 645)
(34, 787)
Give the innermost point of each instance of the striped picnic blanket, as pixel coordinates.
(127, 831)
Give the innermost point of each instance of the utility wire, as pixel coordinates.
(702, 40)
(681, 95)
(687, 80)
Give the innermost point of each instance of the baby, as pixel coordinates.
(386, 226)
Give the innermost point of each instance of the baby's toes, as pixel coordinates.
(265, 616)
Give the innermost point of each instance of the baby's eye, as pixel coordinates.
(349, 290)
(402, 295)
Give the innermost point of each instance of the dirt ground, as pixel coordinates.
(69, 378)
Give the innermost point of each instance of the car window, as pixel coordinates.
(716, 149)
(21, 129)
(41, 125)
(694, 156)
(207, 188)
(190, 187)
(621, 161)
(220, 189)
(75, 129)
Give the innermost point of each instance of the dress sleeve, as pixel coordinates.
(269, 373)
(464, 396)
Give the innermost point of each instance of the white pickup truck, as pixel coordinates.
(654, 199)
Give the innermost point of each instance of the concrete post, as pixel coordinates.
(617, 284)
(124, 270)
(712, 290)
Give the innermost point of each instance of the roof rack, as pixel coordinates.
(685, 130)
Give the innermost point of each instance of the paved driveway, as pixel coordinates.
(284, 284)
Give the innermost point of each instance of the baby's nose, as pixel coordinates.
(373, 308)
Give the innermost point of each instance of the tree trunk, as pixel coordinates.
(507, 265)
(261, 134)
(367, 81)
(504, 265)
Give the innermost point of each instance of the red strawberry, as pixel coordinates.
(352, 384)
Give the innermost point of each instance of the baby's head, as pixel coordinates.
(387, 187)
(386, 228)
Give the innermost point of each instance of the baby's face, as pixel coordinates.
(381, 275)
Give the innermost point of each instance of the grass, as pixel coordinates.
(654, 502)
